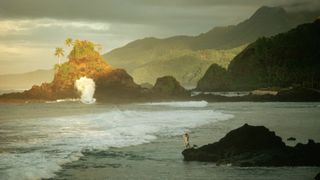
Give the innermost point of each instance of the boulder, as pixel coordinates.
(168, 86)
(117, 85)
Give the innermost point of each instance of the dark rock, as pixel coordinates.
(170, 87)
(214, 79)
(317, 176)
(146, 85)
(117, 85)
(299, 94)
(255, 146)
(291, 139)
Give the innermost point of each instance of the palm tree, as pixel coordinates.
(59, 53)
(69, 42)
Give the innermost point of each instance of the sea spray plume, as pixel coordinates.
(86, 87)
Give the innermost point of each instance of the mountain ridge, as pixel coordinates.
(266, 21)
(25, 80)
(284, 60)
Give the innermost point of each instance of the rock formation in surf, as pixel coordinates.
(83, 61)
(111, 84)
(168, 86)
(255, 146)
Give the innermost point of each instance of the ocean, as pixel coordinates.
(71, 140)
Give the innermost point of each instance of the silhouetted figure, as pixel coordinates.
(186, 140)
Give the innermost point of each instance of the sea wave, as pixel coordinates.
(48, 143)
(179, 104)
(64, 100)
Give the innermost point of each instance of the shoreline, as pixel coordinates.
(288, 95)
(164, 155)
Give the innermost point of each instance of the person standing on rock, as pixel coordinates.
(186, 140)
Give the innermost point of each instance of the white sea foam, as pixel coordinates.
(179, 104)
(47, 143)
(86, 87)
(64, 100)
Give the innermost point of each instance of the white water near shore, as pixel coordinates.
(35, 148)
(179, 104)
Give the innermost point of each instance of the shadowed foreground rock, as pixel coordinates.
(255, 146)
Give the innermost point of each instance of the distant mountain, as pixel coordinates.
(187, 66)
(287, 59)
(148, 58)
(25, 80)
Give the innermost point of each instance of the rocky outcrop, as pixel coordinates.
(168, 86)
(255, 146)
(214, 79)
(112, 85)
(117, 85)
(84, 60)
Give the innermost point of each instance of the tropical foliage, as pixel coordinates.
(69, 42)
(149, 64)
(287, 59)
(83, 48)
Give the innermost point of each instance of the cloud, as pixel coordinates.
(31, 29)
(8, 27)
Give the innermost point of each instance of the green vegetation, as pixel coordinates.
(66, 69)
(69, 42)
(288, 59)
(148, 65)
(84, 60)
(83, 49)
(149, 58)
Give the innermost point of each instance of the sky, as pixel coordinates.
(30, 30)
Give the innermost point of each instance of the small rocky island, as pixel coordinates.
(255, 146)
(111, 84)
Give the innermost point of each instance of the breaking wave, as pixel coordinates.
(42, 145)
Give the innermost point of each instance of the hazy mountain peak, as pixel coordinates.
(268, 16)
(269, 11)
